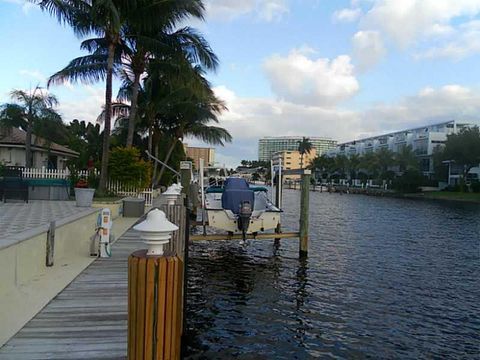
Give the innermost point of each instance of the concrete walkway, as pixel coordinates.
(18, 217)
(88, 319)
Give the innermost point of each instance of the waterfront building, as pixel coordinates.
(44, 153)
(196, 153)
(269, 145)
(423, 140)
(291, 160)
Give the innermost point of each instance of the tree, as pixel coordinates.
(464, 148)
(406, 159)
(31, 111)
(188, 107)
(384, 159)
(141, 48)
(304, 147)
(323, 164)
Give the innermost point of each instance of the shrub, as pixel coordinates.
(127, 167)
(475, 187)
(410, 181)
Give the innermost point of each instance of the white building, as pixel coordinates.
(423, 141)
(44, 153)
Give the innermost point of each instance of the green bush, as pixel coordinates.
(2, 169)
(475, 187)
(127, 167)
(409, 182)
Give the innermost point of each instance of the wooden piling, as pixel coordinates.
(186, 174)
(155, 285)
(50, 244)
(304, 208)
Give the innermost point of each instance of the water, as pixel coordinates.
(385, 278)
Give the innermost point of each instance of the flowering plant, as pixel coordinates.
(82, 183)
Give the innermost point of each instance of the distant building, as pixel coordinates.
(268, 146)
(291, 160)
(197, 153)
(44, 153)
(423, 141)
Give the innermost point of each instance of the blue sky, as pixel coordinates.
(342, 69)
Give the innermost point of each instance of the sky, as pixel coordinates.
(343, 69)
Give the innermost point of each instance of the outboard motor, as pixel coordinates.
(244, 216)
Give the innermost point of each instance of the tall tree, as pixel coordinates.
(304, 147)
(141, 48)
(406, 159)
(31, 110)
(464, 148)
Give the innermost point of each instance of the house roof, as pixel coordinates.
(14, 136)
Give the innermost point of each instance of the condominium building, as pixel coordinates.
(423, 141)
(268, 146)
(292, 160)
(197, 153)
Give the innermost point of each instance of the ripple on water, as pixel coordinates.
(384, 278)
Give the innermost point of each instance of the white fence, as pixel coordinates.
(120, 189)
(45, 173)
(112, 186)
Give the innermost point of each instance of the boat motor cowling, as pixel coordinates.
(244, 216)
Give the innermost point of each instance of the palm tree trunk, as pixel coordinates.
(167, 157)
(133, 109)
(28, 144)
(301, 161)
(108, 117)
(150, 139)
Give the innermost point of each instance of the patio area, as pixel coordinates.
(18, 219)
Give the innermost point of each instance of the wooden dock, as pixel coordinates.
(88, 319)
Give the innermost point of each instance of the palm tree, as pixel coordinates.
(164, 42)
(406, 159)
(31, 111)
(384, 159)
(108, 20)
(304, 147)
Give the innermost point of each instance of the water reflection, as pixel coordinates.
(384, 278)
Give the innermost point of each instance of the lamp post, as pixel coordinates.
(156, 231)
(155, 285)
(172, 193)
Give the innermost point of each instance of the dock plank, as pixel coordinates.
(88, 319)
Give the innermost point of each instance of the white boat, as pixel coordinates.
(240, 208)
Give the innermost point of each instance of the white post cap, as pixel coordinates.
(156, 231)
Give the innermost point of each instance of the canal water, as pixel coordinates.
(385, 278)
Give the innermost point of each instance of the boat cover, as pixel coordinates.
(236, 191)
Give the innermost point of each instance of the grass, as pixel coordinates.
(450, 195)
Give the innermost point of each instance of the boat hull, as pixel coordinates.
(225, 220)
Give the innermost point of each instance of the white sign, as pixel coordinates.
(185, 165)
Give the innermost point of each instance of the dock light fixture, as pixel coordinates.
(172, 193)
(156, 231)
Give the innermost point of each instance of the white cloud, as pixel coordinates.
(36, 75)
(86, 104)
(251, 118)
(466, 43)
(26, 5)
(368, 49)
(347, 15)
(407, 21)
(300, 79)
(432, 28)
(267, 10)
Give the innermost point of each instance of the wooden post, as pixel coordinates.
(304, 205)
(186, 173)
(155, 285)
(50, 244)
